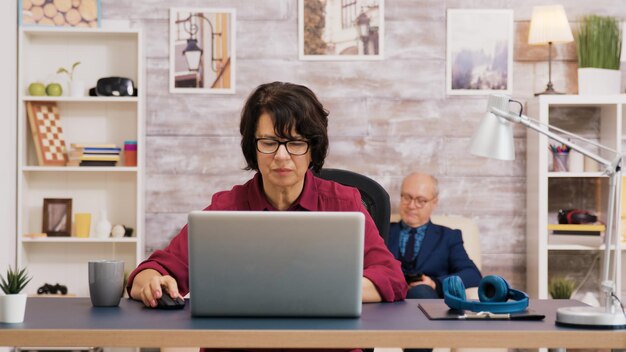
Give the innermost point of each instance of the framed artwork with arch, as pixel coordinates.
(341, 29)
(202, 50)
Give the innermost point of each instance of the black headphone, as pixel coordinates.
(493, 292)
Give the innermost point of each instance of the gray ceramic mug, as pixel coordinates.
(106, 282)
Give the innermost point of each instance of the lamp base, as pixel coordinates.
(590, 318)
(549, 90)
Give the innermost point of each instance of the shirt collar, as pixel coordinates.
(406, 227)
(307, 200)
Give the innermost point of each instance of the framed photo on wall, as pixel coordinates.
(59, 13)
(479, 52)
(341, 30)
(57, 216)
(202, 51)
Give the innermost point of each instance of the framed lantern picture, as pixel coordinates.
(341, 30)
(57, 216)
(202, 51)
(479, 52)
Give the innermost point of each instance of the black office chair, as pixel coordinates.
(373, 195)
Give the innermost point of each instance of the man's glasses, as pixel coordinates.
(270, 146)
(419, 201)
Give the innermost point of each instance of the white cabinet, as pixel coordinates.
(599, 118)
(118, 190)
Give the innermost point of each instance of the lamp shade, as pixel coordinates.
(549, 25)
(493, 138)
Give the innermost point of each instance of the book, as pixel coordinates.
(97, 163)
(576, 229)
(94, 145)
(86, 157)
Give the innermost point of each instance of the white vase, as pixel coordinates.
(12, 308)
(598, 81)
(77, 89)
(103, 226)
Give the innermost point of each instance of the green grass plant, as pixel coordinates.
(15, 281)
(599, 42)
(561, 288)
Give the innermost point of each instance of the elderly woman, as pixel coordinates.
(284, 139)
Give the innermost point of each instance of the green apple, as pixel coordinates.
(37, 89)
(54, 90)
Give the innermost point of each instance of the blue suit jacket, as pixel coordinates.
(441, 255)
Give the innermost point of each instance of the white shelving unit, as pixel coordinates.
(590, 189)
(118, 190)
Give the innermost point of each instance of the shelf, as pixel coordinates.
(580, 101)
(79, 31)
(86, 99)
(77, 240)
(575, 247)
(78, 169)
(575, 174)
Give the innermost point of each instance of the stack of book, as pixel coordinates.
(93, 155)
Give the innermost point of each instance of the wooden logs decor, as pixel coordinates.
(73, 13)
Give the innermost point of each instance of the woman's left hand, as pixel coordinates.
(426, 280)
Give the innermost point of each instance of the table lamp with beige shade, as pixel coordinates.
(549, 25)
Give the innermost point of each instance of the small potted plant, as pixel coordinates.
(77, 88)
(599, 47)
(561, 288)
(13, 303)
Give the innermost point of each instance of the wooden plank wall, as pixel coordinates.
(388, 117)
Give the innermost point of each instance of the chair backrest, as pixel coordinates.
(373, 195)
(471, 235)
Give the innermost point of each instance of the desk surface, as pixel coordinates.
(74, 322)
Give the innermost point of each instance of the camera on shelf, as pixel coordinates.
(576, 216)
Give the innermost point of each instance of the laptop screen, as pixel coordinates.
(249, 263)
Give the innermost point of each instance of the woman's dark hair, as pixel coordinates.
(289, 105)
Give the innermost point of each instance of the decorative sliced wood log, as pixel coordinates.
(50, 10)
(38, 2)
(59, 19)
(72, 17)
(37, 12)
(63, 5)
(88, 10)
(26, 5)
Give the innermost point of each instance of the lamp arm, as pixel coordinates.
(534, 125)
(613, 170)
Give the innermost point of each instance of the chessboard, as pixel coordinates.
(45, 126)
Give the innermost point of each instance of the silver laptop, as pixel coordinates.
(276, 264)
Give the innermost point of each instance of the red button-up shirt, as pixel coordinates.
(379, 265)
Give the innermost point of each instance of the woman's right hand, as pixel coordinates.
(149, 284)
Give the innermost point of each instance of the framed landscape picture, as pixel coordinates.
(341, 29)
(202, 51)
(479, 52)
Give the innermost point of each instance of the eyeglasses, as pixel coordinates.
(270, 146)
(419, 201)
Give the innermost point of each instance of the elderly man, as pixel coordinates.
(428, 252)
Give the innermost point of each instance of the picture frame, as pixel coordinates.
(60, 13)
(479, 59)
(194, 68)
(341, 30)
(57, 216)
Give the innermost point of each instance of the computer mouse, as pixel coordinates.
(167, 302)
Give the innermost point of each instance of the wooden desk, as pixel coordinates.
(74, 322)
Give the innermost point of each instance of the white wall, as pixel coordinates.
(8, 111)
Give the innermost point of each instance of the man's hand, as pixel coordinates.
(426, 280)
(149, 284)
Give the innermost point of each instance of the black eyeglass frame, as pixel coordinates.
(285, 143)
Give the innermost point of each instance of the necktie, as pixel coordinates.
(409, 250)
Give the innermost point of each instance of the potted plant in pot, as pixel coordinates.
(13, 303)
(77, 88)
(561, 288)
(599, 46)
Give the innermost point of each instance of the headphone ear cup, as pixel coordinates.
(493, 288)
(455, 287)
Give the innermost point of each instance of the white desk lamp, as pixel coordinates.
(494, 139)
